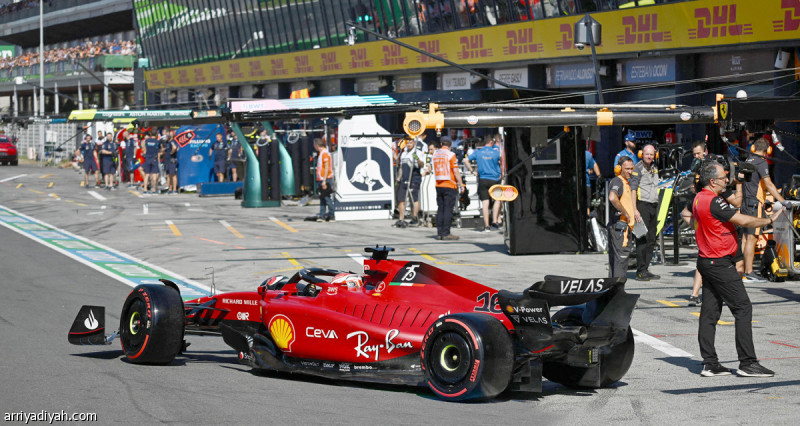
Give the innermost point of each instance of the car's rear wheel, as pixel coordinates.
(152, 324)
(467, 356)
(614, 360)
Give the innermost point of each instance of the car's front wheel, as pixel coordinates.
(467, 356)
(152, 324)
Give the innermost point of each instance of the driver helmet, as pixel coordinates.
(351, 281)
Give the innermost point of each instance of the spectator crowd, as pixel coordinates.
(87, 49)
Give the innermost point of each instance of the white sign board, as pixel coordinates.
(512, 76)
(455, 81)
(363, 171)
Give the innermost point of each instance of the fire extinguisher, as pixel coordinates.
(669, 136)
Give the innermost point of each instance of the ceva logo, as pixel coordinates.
(184, 138)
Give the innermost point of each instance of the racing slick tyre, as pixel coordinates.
(152, 324)
(615, 360)
(467, 356)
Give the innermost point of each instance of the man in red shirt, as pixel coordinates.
(448, 185)
(716, 244)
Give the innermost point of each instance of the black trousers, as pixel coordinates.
(646, 244)
(721, 283)
(445, 200)
(617, 252)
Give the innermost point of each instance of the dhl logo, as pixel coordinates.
(642, 29)
(566, 42)
(216, 72)
(719, 21)
(183, 76)
(430, 46)
(472, 47)
(235, 71)
(791, 17)
(393, 55)
(167, 78)
(255, 69)
(199, 75)
(277, 67)
(521, 41)
(358, 58)
(282, 331)
(329, 62)
(301, 65)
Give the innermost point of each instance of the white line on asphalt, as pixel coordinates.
(357, 258)
(94, 213)
(96, 195)
(12, 178)
(186, 204)
(660, 345)
(145, 209)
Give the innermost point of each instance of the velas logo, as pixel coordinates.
(184, 138)
(282, 331)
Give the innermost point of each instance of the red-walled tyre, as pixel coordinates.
(467, 356)
(152, 324)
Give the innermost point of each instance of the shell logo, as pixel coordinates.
(282, 331)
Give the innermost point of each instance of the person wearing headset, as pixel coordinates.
(621, 218)
(754, 194)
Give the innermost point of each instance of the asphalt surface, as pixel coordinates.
(41, 290)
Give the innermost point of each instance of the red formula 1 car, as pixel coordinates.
(400, 322)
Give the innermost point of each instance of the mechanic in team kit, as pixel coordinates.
(732, 195)
(150, 166)
(170, 154)
(644, 185)
(716, 245)
(221, 153)
(324, 175)
(128, 146)
(87, 153)
(409, 178)
(621, 218)
(754, 192)
(448, 186)
(108, 154)
(487, 159)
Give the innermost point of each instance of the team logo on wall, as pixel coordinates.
(368, 168)
(183, 138)
(282, 331)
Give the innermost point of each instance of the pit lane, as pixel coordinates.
(42, 290)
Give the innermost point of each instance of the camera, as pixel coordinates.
(580, 46)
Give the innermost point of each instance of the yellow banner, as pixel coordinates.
(701, 23)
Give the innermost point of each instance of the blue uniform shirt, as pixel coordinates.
(589, 166)
(623, 153)
(151, 149)
(220, 151)
(87, 151)
(488, 160)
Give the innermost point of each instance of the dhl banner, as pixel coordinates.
(701, 23)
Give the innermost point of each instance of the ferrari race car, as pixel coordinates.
(401, 322)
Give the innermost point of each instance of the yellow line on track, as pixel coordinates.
(19, 186)
(231, 228)
(424, 255)
(285, 226)
(720, 322)
(45, 176)
(135, 193)
(52, 194)
(75, 202)
(38, 192)
(291, 259)
(293, 268)
(50, 185)
(173, 228)
(464, 264)
(668, 303)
